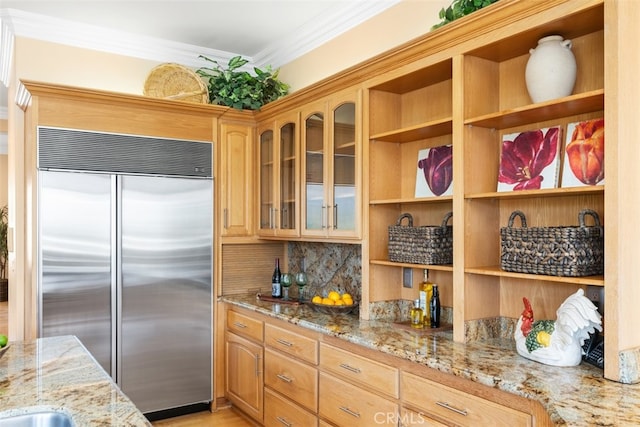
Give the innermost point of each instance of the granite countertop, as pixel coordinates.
(59, 374)
(573, 396)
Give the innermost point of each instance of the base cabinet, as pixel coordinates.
(314, 380)
(244, 378)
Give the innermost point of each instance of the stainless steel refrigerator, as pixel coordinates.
(125, 259)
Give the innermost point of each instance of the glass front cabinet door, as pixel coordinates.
(331, 187)
(278, 177)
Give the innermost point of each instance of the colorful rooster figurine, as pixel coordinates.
(558, 342)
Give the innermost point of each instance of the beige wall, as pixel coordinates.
(3, 168)
(403, 22)
(3, 180)
(54, 63)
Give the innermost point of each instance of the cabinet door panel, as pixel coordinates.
(236, 179)
(244, 379)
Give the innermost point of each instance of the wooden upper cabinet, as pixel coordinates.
(331, 167)
(278, 177)
(236, 179)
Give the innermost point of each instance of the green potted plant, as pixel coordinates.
(460, 8)
(240, 89)
(4, 253)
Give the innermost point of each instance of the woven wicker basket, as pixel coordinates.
(421, 245)
(554, 251)
(174, 81)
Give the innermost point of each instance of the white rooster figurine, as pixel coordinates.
(558, 342)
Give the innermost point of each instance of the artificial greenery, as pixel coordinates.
(240, 89)
(4, 248)
(460, 8)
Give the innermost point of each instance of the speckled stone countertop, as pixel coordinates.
(573, 396)
(59, 374)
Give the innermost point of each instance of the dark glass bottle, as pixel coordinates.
(434, 307)
(276, 286)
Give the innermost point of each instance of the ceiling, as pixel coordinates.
(266, 32)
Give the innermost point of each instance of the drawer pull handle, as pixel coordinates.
(283, 342)
(284, 422)
(257, 365)
(240, 325)
(445, 405)
(350, 368)
(349, 411)
(284, 378)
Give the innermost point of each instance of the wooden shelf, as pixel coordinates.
(447, 267)
(425, 130)
(529, 194)
(568, 106)
(497, 271)
(412, 200)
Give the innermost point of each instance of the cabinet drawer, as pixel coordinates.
(280, 412)
(293, 379)
(454, 405)
(297, 345)
(409, 418)
(349, 406)
(372, 374)
(245, 325)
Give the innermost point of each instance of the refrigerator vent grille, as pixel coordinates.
(70, 149)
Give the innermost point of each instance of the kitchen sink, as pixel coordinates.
(38, 419)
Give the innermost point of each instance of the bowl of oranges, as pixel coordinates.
(333, 303)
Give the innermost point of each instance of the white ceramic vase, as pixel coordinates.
(551, 69)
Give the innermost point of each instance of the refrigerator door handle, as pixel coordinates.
(116, 279)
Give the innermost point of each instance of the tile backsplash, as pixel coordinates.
(329, 266)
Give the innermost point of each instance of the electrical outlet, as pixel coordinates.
(596, 295)
(407, 277)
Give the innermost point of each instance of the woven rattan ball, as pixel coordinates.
(174, 81)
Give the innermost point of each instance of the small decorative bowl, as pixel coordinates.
(3, 349)
(333, 309)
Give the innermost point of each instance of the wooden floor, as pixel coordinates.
(226, 417)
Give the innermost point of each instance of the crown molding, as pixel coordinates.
(6, 49)
(55, 30)
(306, 38)
(314, 34)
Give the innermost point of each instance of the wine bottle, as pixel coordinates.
(434, 307)
(276, 286)
(426, 290)
(416, 315)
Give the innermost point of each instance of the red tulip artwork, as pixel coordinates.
(530, 160)
(435, 172)
(584, 154)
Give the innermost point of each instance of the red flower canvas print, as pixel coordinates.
(434, 175)
(584, 154)
(530, 160)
